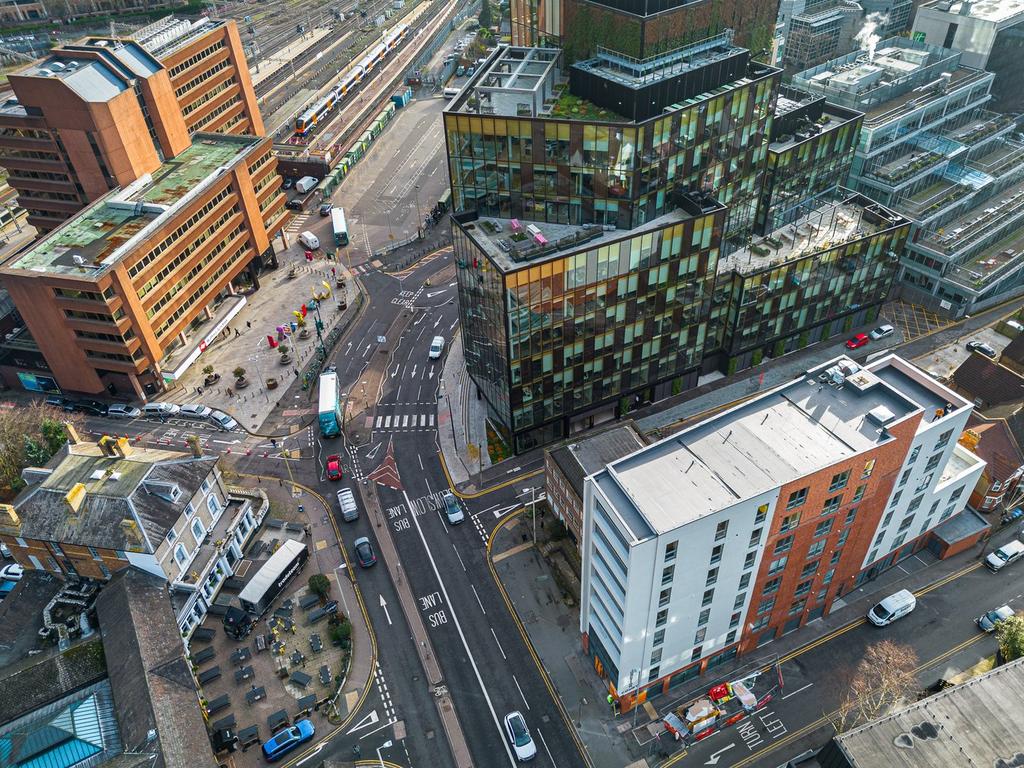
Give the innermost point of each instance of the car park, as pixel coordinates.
(195, 411)
(857, 341)
(981, 347)
(334, 467)
(364, 552)
(347, 505)
(223, 421)
(882, 332)
(161, 409)
(987, 622)
(122, 411)
(12, 572)
(436, 348)
(452, 510)
(519, 737)
(284, 741)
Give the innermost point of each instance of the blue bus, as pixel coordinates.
(340, 226)
(330, 407)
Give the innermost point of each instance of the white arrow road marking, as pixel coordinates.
(436, 322)
(454, 324)
(502, 511)
(226, 442)
(514, 469)
(413, 376)
(716, 755)
(366, 722)
(431, 373)
(453, 283)
(431, 294)
(384, 605)
(314, 753)
(373, 451)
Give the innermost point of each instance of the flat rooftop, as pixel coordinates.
(828, 226)
(832, 413)
(164, 37)
(996, 11)
(513, 244)
(102, 234)
(830, 121)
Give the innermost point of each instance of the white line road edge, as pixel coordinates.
(462, 635)
(794, 693)
(542, 741)
(521, 692)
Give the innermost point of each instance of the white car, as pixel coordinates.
(882, 331)
(519, 737)
(436, 348)
(12, 572)
(120, 411)
(987, 623)
(195, 411)
(452, 510)
(161, 409)
(223, 421)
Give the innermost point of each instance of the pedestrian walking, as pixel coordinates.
(237, 334)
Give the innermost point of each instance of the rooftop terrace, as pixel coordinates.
(833, 412)
(103, 233)
(853, 217)
(996, 11)
(979, 224)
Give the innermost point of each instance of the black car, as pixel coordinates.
(289, 182)
(364, 552)
(93, 407)
(982, 348)
(293, 205)
(325, 209)
(59, 401)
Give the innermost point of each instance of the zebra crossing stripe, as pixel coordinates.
(387, 422)
(380, 420)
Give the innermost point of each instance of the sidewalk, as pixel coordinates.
(461, 420)
(553, 628)
(243, 344)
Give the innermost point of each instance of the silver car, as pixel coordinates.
(452, 510)
(223, 421)
(121, 411)
(987, 623)
(195, 411)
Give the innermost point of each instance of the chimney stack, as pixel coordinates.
(73, 438)
(74, 499)
(106, 444)
(122, 447)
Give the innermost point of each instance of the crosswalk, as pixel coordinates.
(405, 422)
(362, 269)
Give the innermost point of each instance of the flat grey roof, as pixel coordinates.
(793, 430)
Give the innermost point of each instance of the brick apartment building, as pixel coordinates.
(121, 297)
(715, 541)
(100, 113)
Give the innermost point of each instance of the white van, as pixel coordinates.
(1006, 554)
(436, 348)
(895, 606)
(309, 240)
(450, 93)
(306, 183)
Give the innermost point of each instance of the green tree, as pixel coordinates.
(1010, 636)
(485, 15)
(30, 436)
(342, 632)
(319, 585)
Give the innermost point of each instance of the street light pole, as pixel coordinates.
(419, 215)
(385, 745)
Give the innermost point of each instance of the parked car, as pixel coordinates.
(452, 510)
(983, 348)
(334, 467)
(94, 407)
(436, 348)
(519, 737)
(987, 622)
(284, 741)
(895, 606)
(195, 411)
(364, 552)
(347, 505)
(161, 409)
(288, 183)
(1010, 552)
(325, 209)
(857, 341)
(59, 401)
(882, 331)
(223, 421)
(122, 411)
(294, 205)
(12, 572)
(5, 551)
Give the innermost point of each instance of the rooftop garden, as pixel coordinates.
(575, 108)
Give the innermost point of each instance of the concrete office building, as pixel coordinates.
(988, 33)
(99, 114)
(746, 526)
(125, 294)
(931, 150)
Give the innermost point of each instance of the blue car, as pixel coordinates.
(283, 742)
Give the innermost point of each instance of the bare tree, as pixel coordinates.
(29, 435)
(878, 685)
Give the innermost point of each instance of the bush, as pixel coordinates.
(239, 372)
(341, 633)
(319, 585)
(755, 359)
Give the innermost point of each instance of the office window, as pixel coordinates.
(843, 536)
(741, 598)
(659, 637)
(905, 476)
(925, 482)
(827, 578)
(871, 557)
(816, 548)
(656, 657)
(851, 514)
(914, 454)
(666, 574)
(905, 523)
(749, 561)
(888, 518)
(755, 537)
(662, 618)
(897, 542)
(925, 526)
(956, 494)
(695, 656)
(670, 551)
(761, 623)
(766, 605)
(810, 569)
(734, 620)
(778, 564)
(771, 586)
(796, 498)
(653, 674)
(896, 498)
(879, 537)
(797, 606)
(94, 553)
(869, 467)
(664, 597)
(744, 580)
(762, 513)
(789, 522)
(824, 527)
(722, 530)
(831, 505)
(803, 588)
(709, 595)
(839, 481)
(943, 439)
(835, 557)
(716, 553)
(712, 577)
(731, 637)
(858, 494)
(915, 503)
(949, 511)
(783, 545)
(933, 462)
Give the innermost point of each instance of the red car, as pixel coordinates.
(334, 467)
(857, 341)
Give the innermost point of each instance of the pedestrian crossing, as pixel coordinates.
(362, 269)
(405, 422)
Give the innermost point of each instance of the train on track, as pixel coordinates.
(305, 122)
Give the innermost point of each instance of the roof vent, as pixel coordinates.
(881, 415)
(79, 260)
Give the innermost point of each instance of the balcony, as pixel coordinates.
(908, 168)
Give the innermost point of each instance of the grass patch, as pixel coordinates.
(580, 109)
